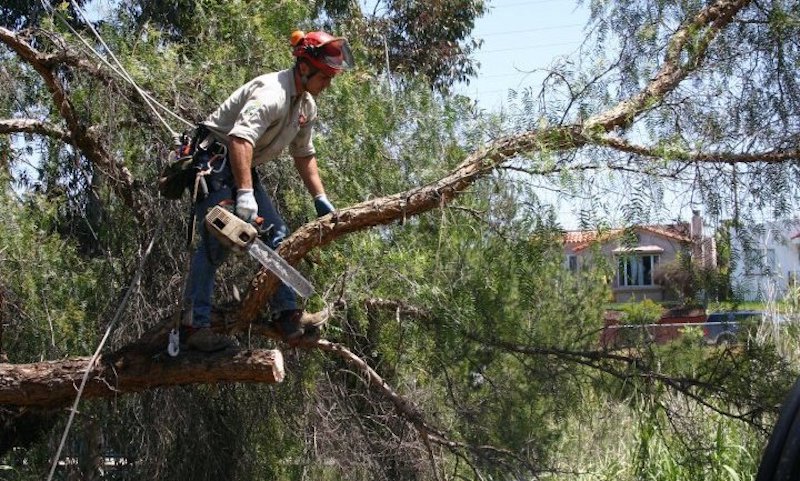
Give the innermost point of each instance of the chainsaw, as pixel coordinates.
(242, 236)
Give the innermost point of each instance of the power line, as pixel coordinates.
(520, 4)
(538, 29)
(502, 75)
(521, 47)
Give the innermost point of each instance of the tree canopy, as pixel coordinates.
(458, 347)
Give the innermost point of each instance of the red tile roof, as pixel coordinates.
(581, 239)
(673, 231)
(582, 236)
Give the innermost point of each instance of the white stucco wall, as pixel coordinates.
(765, 258)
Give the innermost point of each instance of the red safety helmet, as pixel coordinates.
(327, 53)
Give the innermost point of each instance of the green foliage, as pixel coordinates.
(428, 40)
(503, 354)
(50, 290)
(645, 311)
(17, 14)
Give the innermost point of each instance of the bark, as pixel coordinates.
(31, 126)
(696, 33)
(54, 383)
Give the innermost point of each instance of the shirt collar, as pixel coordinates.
(291, 87)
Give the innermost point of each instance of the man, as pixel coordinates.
(251, 127)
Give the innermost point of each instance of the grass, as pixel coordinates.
(639, 441)
(723, 306)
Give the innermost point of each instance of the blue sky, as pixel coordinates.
(521, 37)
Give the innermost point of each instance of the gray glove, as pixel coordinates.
(246, 206)
(322, 205)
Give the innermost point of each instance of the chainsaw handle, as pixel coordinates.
(258, 223)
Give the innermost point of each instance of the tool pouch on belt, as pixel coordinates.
(179, 175)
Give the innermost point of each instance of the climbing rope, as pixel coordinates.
(119, 70)
(117, 315)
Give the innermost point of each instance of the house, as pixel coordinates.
(765, 259)
(638, 252)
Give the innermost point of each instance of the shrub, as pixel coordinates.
(646, 311)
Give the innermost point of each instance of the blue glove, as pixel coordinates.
(322, 205)
(246, 206)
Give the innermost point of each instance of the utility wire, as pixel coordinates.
(522, 47)
(527, 30)
(521, 4)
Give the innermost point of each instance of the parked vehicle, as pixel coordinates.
(618, 333)
(723, 327)
(718, 328)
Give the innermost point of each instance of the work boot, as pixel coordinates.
(311, 323)
(205, 340)
(295, 325)
(288, 324)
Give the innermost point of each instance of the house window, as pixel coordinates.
(637, 270)
(572, 263)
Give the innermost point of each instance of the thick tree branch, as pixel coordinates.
(31, 126)
(85, 138)
(685, 54)
(400, 206)
(54, 383)
(773, 157)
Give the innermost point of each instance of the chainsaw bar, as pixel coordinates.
(278, 265)
(243, 236)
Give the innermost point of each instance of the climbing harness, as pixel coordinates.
(196, 157)
(190, 147)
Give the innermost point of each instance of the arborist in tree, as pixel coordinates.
(251, 127)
